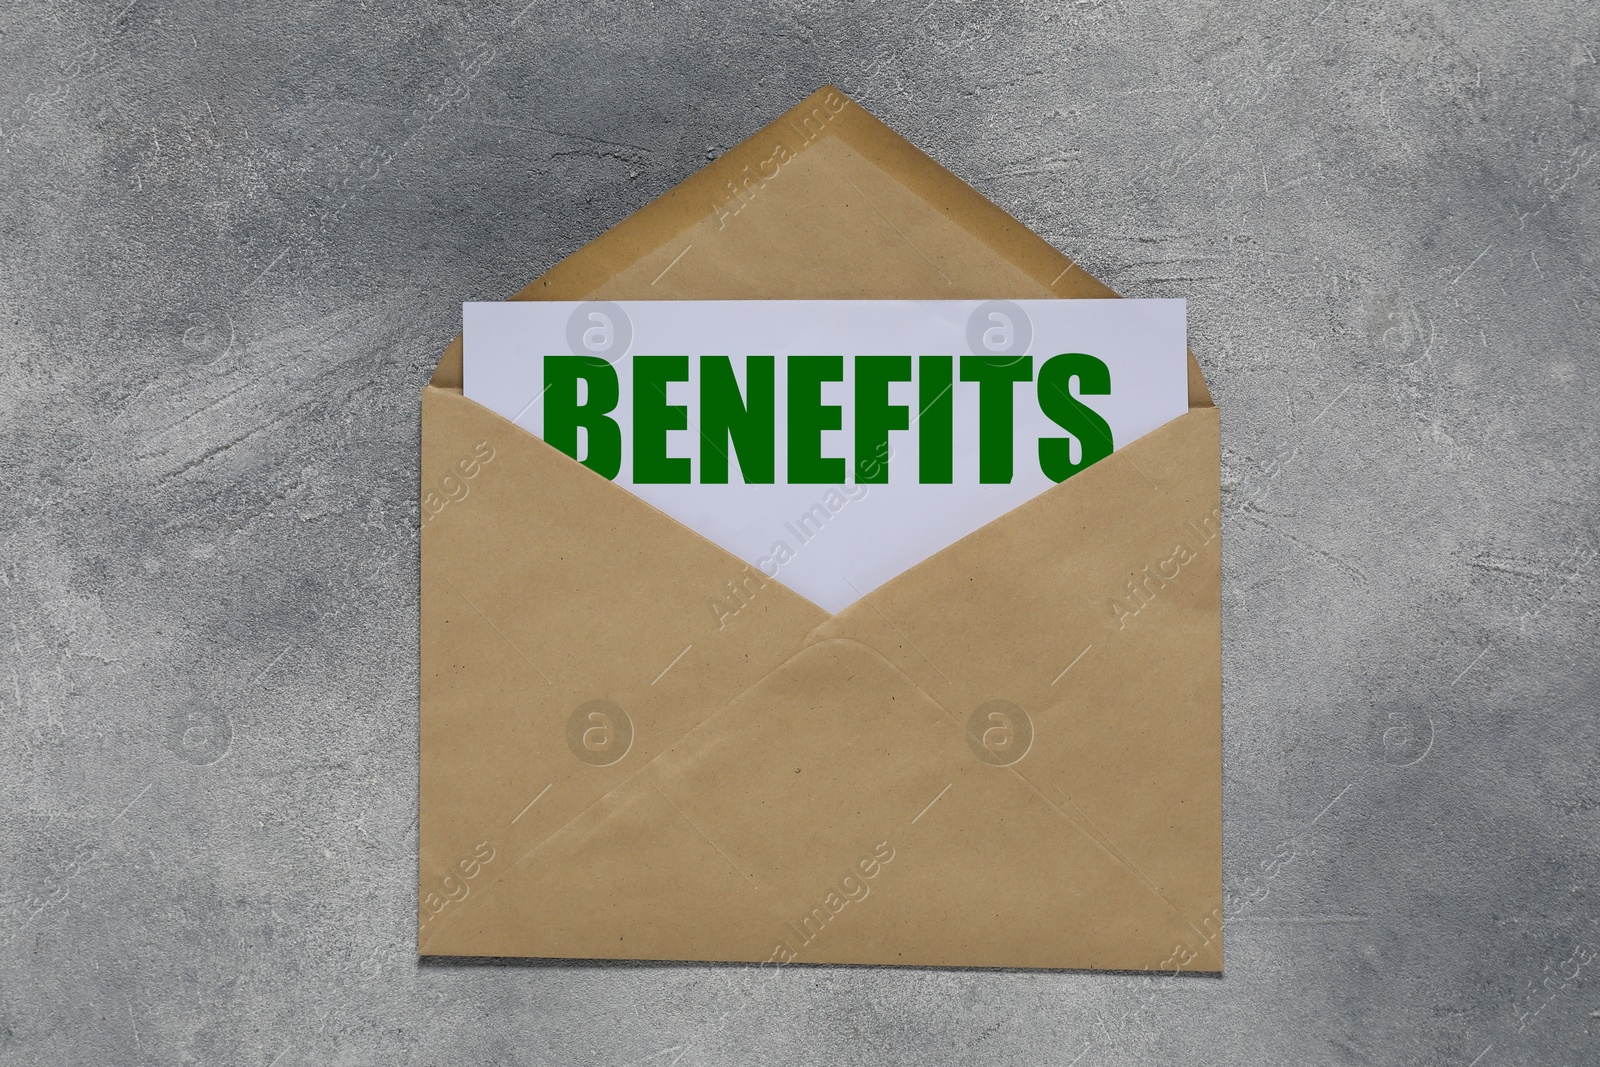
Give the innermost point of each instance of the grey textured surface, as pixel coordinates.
(219, 303)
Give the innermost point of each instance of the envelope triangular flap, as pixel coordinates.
(1092, 611)
(550, 596)
(826, 202)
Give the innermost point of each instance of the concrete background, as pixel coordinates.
(217, 305)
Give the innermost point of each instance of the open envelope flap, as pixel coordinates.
(832, 814)
(824, 203)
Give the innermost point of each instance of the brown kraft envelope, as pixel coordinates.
(635, 746)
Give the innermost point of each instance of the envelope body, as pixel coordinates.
(635, 746)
